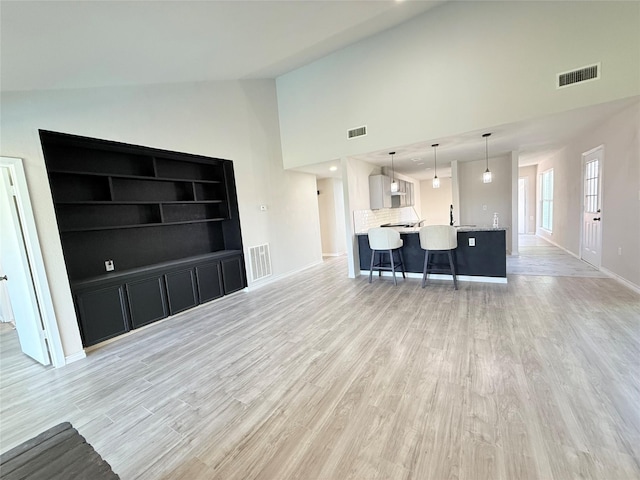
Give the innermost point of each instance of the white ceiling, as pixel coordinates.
(54, 44)
(92, 43)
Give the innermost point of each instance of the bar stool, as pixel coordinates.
(438, 239)
(385, 241)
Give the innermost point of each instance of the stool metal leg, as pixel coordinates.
(373, 256)
(393, 267)
(453, 270)
(424, 269)
(402, 262)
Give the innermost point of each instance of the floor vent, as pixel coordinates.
(260, 261)
(357, 132)
(592, 72)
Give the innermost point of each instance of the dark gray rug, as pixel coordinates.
(56, 454)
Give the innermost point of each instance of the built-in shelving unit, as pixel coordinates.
(149, 211)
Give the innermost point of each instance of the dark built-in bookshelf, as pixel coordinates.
(168, 221)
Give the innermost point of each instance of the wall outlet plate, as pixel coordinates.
(108, 265)
(472, 242)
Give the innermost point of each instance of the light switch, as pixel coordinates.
(472, 242)
(109, 265)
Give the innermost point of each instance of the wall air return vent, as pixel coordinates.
(357, 132)
(566, 79)
(260, 261)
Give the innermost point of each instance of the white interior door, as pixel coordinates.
(591, 250)
(19, 282)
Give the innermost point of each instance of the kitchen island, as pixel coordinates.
(481, 255)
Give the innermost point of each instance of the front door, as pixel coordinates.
(591, 250)
(16, 274)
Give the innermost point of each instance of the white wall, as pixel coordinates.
(620, 136)
(236, 120)
(479, 201)
(436, 201)
(460, 67)
(332, 216)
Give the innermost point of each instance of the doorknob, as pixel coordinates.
(4, 278)
(597, 219)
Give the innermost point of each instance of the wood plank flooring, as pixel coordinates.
(540, 257)
(318, 376)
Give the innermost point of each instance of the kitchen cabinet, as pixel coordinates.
(380, 195)
(379, 192)
(405, 199)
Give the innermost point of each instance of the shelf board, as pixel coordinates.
(138, 202)
(134, 177)
(139, 225)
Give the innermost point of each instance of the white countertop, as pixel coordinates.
(461, 228)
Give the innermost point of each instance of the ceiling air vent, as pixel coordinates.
(357, 132)
(592, 72)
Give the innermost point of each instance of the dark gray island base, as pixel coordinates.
(486, 261)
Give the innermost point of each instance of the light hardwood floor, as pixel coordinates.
(539, 257)
(323, 377)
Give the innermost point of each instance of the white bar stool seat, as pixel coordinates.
(438, 239)
(385, 241)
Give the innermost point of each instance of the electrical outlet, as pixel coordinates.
(472, 242)
(619, 250)
(484, 207)
(109, 265)
(263, 208)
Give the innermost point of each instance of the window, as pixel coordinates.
(546, 194)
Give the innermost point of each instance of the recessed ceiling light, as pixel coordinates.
(333, 168)
(420, 163)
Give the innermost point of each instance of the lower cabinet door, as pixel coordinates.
(102, 314)
(181, 287)
(233, 275)
(147, 301)
(209, 281)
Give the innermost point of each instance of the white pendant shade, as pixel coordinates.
(436, 180)
(486, 176)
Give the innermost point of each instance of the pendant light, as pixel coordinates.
(394, 184)
(486, 176)
(436, 180)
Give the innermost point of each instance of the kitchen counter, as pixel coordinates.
(485, 261)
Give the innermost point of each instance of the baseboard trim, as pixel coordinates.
(75, 357)
(339, 254)
(440, 276)
(621, 280)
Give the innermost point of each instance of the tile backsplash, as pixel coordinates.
(363, 220)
